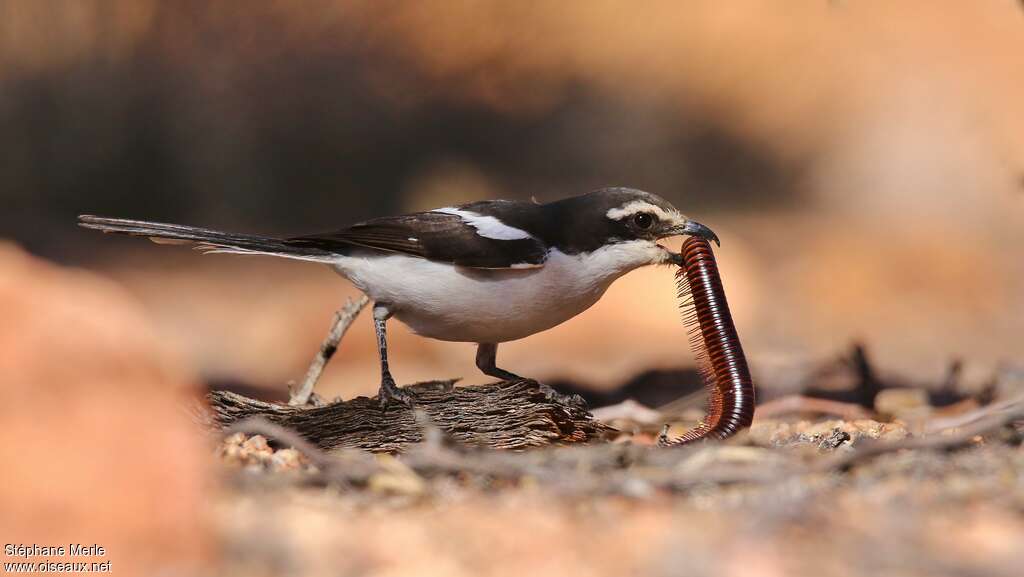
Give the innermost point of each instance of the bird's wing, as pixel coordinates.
(455, 236)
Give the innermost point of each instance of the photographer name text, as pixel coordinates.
(71, 550)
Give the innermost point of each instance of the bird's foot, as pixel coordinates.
(548, 391)
(545, 389)
(391, 394)
(503, 374)
(551, 394)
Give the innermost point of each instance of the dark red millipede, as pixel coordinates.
(716, 345)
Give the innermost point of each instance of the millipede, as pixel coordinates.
(716, 346)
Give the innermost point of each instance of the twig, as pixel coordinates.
(302, 395)
(965, 436)
(973, 416)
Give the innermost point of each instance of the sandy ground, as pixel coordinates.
(742, 508)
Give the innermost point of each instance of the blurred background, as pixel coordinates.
(862, 161)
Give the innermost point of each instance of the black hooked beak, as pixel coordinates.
(694, 228)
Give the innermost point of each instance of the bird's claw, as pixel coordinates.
(390, 394)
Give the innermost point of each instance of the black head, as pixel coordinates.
(624, 214)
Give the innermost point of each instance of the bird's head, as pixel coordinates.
(638, 217)
(642, 215)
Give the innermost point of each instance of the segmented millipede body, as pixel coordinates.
(716, 345)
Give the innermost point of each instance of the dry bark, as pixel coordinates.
(502, 415)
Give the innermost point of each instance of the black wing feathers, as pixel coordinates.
(434, 236)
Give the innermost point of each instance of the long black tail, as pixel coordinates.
(206, 239)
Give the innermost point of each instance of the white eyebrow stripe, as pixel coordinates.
(634, 206)
(487, 226)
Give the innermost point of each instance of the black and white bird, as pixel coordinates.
(486, 272)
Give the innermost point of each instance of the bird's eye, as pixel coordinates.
(643, 220)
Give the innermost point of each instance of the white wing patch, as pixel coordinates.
(634, 206)
(523, 265)
(487, 226)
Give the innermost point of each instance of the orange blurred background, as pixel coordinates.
(863, 163)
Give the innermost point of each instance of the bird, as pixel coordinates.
(487, 272)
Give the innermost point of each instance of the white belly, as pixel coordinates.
(490, 306)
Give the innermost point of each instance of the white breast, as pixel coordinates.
(451, 303)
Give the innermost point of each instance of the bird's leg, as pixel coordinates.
(389, 391)
(486, 359)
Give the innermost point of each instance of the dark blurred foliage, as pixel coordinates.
(229, 124)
